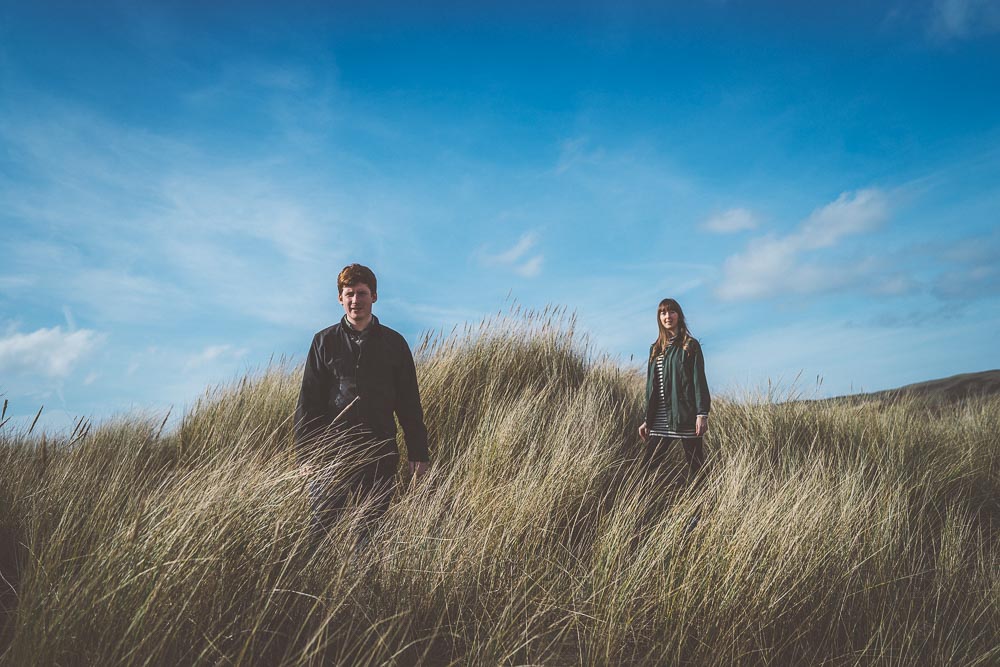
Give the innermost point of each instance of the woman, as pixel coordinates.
(677, 398)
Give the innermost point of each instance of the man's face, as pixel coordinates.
(357, 301)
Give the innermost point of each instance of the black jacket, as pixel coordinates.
(382, 375)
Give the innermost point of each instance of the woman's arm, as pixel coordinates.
(702, 399)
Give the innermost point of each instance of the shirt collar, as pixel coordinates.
(372, 326)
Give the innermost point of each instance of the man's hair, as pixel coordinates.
(352, 274)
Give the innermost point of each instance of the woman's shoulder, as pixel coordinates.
(692, 344)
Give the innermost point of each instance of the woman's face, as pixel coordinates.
(669, 318)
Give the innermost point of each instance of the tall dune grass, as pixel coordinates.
(829, 533)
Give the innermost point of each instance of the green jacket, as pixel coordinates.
(684, 373)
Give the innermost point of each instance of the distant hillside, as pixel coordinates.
(945, 390)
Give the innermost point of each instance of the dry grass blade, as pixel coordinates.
(35, 420)
(829, 533)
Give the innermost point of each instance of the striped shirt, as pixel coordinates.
(661, 421)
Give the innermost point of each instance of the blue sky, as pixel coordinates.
(818, 186)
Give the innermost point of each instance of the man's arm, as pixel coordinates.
(310, 412)
(408, 409)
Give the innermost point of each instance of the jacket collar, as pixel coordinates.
(372, 329)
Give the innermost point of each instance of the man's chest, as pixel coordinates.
(367, 360)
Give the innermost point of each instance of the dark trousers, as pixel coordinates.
(366, 483)
(658, 448)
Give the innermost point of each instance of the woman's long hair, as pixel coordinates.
(683, 337)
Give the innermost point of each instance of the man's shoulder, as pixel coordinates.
(391, 336)
(330, 330)
(388, 335)
(325, 338)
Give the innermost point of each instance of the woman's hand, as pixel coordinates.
(644, 432)
(701, 425)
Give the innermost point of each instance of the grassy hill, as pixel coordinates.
(831, 533)
(945, 390)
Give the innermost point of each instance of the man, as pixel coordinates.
(357, 375)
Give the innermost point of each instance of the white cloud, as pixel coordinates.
(517, 257)
(50, 352)
(847, 215)
(773, 265)
(731, 221)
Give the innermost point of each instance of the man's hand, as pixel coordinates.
(701, 425)
(644, 432)
(419, 468)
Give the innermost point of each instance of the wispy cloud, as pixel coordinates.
(213, 353)
(520, 257)
(15, 282)
(634, 177)
(960, 271)
(957, 19)
(518, 250)
(70, 320)
(851, 213)
(807, 359)
(968, 282)
(118, 294)
(828, 348)
(246, 238)
(772, 265)
(49, 352)
(731, 221)
(530, 268)
(574, 153)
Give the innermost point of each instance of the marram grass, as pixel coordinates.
(830, 533)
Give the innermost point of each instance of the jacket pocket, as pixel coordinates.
(686, 412)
